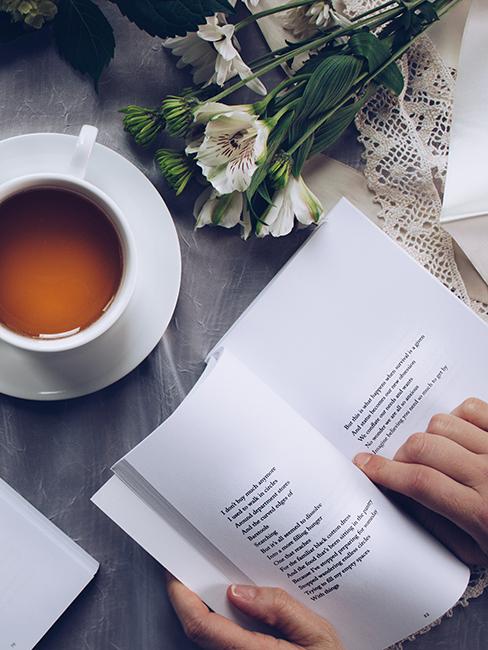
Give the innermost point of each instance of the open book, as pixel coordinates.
(352, 347)
(41, 572)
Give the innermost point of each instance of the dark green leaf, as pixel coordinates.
(263, 192)
(10, 30)
(84, 36)
(376, 52)
(301, 155)
(328, 85)
(277, 137)
(170, 17)
(331, 131)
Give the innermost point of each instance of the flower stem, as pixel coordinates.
(373, 22)
(298, 79)
(356, 22)
(365, 79)
(364, 20)
(274, 10)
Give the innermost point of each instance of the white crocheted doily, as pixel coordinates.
(406, 143)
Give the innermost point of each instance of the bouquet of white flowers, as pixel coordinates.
(250, 157)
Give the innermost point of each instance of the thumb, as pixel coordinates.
(279, 610)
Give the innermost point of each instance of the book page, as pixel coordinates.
(359, 339)
(285, 507)
(172, 544)
(41, 572)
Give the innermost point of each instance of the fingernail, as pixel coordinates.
(361, 460)
(244, 591)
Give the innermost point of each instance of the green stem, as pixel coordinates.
(273, 121)
(365, 79)
(360, 22)
(369, 22)
(316, 43)
(269, 12)
(354, 26)
(299, 80)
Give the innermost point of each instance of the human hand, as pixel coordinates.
(300, 628)
(445, 470)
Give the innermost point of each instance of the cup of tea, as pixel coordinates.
(68, 262)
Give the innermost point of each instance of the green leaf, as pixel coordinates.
(170, 17)
(84, 37)
(331, 131)
(263, 192)
(376, 52)
(301, 155)
(10, 30)
(278, 134)
(328, 85)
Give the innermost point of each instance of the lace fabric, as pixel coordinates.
(406, 143)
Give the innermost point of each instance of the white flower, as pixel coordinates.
(304, 22)
(225, 211)
(207, 111)
(213, 54)
(195, 52)
(232, 146)
(296, 200)
(228, 62)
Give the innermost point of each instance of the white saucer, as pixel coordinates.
(44, 376)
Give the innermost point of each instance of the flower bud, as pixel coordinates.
(280, 169)
(142, 123)
(175, 167)
(178, 114)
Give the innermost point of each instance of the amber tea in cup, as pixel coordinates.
(61, 262)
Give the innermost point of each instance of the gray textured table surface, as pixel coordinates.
(58, 454)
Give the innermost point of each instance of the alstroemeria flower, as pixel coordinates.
(228, 62)
(304, 22)
(193, 51)
(226, 211)
(207, 111)
(213, 53)
(296, 200)
(232, 146)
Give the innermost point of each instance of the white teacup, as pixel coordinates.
(73, 181)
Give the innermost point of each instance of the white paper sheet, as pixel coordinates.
(339, 318)
(465, 207)
(41, 572)
(278, 500)
(323, 354)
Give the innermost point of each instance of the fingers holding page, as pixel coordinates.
(212, 631)
(475, 411)
(443, 455)
(464, 433)
(427, 486)
(277, 609)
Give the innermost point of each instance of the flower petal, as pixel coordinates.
(233, 210)
(245, 71)
(204, 208)
(307, 207)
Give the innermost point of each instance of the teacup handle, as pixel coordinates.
(84, 147)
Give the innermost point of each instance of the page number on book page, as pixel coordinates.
(426, 614)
